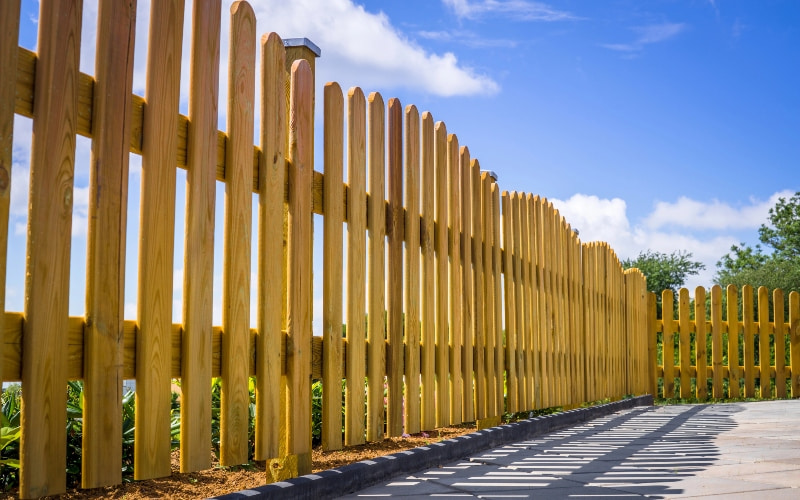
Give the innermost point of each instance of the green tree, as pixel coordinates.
(779, 266)
(665, 271)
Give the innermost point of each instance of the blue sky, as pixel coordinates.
(662, 125)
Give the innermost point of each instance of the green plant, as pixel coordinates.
(10, 435)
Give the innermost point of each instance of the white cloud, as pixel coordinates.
(653, 33)
(715, 214)
(517, 9)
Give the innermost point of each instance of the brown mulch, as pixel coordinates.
(220, 480)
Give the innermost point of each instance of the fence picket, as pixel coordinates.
(497, 293)
(668, 349)
(442, 286)
(794, 336)
(734, 327)
(488, 334)
(301, 168)
(355, 397)
(44, 370)
(535, 267)
(456, 283)
(9, 35)
(749, 327)
(478, 389)
(780, 343)
(271, 249)
(701, 335)
(716, 340)
(764, 331)
(412, 268)
(428, 289)
(684, 341)
(333, 206)
(512, 399)
(376, 225)
(524, 305)
(467, 280)
(101, 458)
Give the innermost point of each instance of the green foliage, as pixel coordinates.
(665, 271)
(216, 405)
(777, 268)
(10, 435)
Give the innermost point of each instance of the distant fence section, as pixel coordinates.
(461, 301)
(736, 344)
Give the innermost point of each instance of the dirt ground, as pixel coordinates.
(221, 480)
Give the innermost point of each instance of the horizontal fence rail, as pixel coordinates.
(462, 301)
(732, 345)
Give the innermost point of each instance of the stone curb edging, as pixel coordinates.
(357, 476)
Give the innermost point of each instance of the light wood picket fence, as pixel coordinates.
(477, 302)
(718, 348)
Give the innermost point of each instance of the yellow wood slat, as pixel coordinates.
(764, 331)
(412, 268)
(394, 269)
(701, 334)
(428, 279)
(271, 263)
(235, 398)
(733, 329)
(376, 225)
(716, 340)
(652, 352)
(512, 392)
(332, 372)
(300, 265)
(480, 329)
(442, 286)
(749, 326)
(156, 243)
(356, 266)
(794, 339)
(668, 348)
(523, 345)
(198, 275)
(780, 343)
(684, 334)
(499, 348)
(44, 368)
(467, 280)
(9, 34)
(456, 289)
(102, 410)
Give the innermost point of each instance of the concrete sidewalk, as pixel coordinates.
(735, 450)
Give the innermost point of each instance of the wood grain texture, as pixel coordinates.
(684, 339)
(101, 459)
(716, 340)
(394, 269)
(300, 265)
(794, 339)
(668, 348)
(701, 335)
(765, 330)
(498, 302)
(44, 369)
(411, 317)
(456, 290)
(237, 235)
(156, 242)
(376, 226)
(9, 34)
(487, 300)
(467, 280)
(748, 339)
(512, 392)
(524, 347)
(198, 266)
(478, 390)
(780, 343)
(442, 286)
(355, 398)
(428, 279)
(733, 329)
(271, 298)
(332, 261)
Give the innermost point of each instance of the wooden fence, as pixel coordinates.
(477, 302)
(718, 348)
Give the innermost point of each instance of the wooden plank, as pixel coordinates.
(44, 369)
(764, 331)
(701, 335)
(467, 280)
(749, 327)
(794, 339)
(271, 299)
(734, 327)
(332, 261)
(300, 265)
(497, 294)
(442, 286)
(668, 346)
(9, 35)
(523, 346)
(652, 353)
(780, 343)
(412, 268)
(355, 398)
(489, 335)
(198, 266)
(456, 290)
(512, 392)
(480, 329)
(684, 339)
(376, 225)
(235, 363)
(156, 244)
(394, 270)
(101, 459)
(586, 337)
(543, 295)
(428, 298)
(716, 341)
